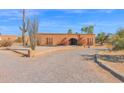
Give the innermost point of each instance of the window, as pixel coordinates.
(91, 41)
(88, 41)
(49, 41)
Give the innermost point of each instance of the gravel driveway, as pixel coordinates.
(65, 66)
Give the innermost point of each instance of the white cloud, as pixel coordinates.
(74, 11)
(13, 14)
(80, 11)
(33, 12)
(9, 29)
(106, 10)
(16, 14)
(48, 24)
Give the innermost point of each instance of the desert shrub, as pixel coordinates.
(118, 44)
(109, 46)
(19, 40)
(102, 38)
(6, 43)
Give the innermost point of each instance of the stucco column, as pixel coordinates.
(94, 42)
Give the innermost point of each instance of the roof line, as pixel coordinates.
(64, 34)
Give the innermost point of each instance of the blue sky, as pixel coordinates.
(59, 21)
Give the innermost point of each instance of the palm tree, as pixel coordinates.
(87, 29)
(90, 29)
(84, 29)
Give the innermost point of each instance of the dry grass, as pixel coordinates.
(107, 52)
(6, 43)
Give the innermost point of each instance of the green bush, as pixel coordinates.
(118, 40)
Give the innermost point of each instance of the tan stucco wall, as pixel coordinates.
(58, 38)
(8, 37)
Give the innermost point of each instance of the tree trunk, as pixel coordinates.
(23, 39)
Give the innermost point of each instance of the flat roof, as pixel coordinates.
(63, 34)
(8, 35)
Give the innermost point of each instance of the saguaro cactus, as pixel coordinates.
(24, 27)
(33, 29)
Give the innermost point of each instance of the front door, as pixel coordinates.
(73, 41)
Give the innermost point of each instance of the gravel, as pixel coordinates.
(72, 66)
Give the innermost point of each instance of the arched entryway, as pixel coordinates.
(73, 41)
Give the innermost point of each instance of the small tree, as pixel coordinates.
(76, 33)
(24, 27)
(102, 37)
(70, 31)
(33, 29)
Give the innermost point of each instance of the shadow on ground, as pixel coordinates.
(88, 57)
(99, 49)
